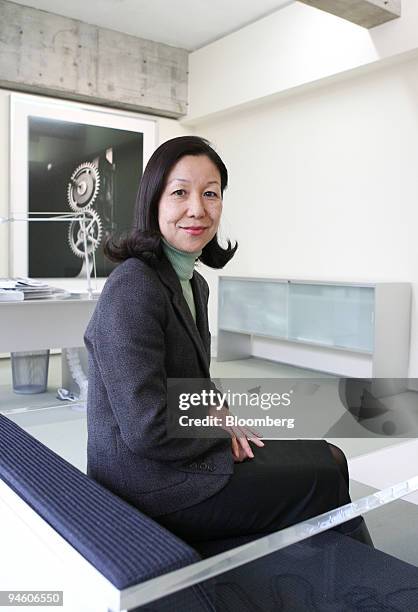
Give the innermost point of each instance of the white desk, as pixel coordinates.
(38, 325)
(44, 324)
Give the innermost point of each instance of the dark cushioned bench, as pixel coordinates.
(129, 548)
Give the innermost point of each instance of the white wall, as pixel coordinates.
(293, 48)
(167, 128)
(324, 184)
(4, 180)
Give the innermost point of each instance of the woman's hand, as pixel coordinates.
(241, 448)
(240, 437)
(237, 450)
(239, 453)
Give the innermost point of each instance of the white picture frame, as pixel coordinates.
(23, 106)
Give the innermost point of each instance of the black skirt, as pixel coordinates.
(286, 482)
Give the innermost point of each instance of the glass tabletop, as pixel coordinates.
(323, 564)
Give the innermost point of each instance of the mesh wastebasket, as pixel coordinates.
(30, 371)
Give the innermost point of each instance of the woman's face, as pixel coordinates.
(191, 204)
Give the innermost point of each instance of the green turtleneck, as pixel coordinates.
(183, 264)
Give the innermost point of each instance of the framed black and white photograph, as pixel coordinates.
(68, 157)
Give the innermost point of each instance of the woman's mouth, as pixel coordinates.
(195, 230)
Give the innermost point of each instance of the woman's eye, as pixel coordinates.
(211, 194)
(179, 192)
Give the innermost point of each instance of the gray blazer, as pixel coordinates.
(141, 333)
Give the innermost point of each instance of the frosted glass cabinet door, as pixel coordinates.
(258, 307)
(332, 315)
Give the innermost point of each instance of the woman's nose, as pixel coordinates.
(196, 206)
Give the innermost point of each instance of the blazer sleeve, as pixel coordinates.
(129, 345)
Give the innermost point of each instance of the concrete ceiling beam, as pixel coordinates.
(365, 13)
(44, 53)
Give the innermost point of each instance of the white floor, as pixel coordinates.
(384, 467)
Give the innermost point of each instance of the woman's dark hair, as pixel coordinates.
(144, 240)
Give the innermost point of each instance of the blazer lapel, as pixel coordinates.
(200, 300)
(196, 330)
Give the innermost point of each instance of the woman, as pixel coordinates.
(150, 324)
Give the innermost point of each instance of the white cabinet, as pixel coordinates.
(332, 315)
(350, 329)
(254, 307)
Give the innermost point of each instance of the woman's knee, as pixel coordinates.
(340, 459)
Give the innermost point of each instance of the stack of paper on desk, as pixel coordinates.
(17, 289)
(11, 295)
